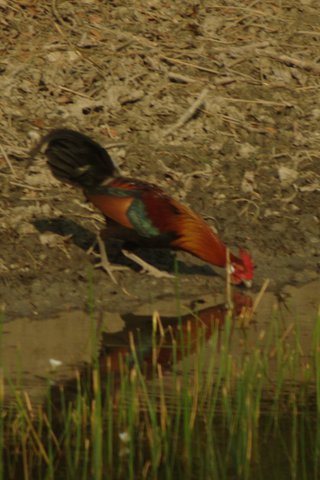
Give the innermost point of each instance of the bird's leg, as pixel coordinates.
(146, 267)
(104, 261)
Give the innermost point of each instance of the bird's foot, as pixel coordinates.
(109, 269)
(146, 267)
(104, 261)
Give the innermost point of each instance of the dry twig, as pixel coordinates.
(78, 52)
(7, 159)
(291, 61)
(187, 64)
(188, 114)
(177, 77)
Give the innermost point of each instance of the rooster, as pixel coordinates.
(135, 210)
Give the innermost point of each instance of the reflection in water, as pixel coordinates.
(116, 349)
(38, 352)
(147, 342)
(31, 348)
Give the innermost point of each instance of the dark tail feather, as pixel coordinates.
(75, 158)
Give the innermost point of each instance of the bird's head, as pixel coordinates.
(242, 269)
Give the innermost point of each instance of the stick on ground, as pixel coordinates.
(188, 114)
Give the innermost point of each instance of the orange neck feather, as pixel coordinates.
(197, 238)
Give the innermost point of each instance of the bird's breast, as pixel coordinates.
(113, 207)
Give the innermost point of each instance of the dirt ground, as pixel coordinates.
(129, 73)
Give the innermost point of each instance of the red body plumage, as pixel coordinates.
(168, 216)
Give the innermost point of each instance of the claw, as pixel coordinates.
(146, 267)
(104, 261)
